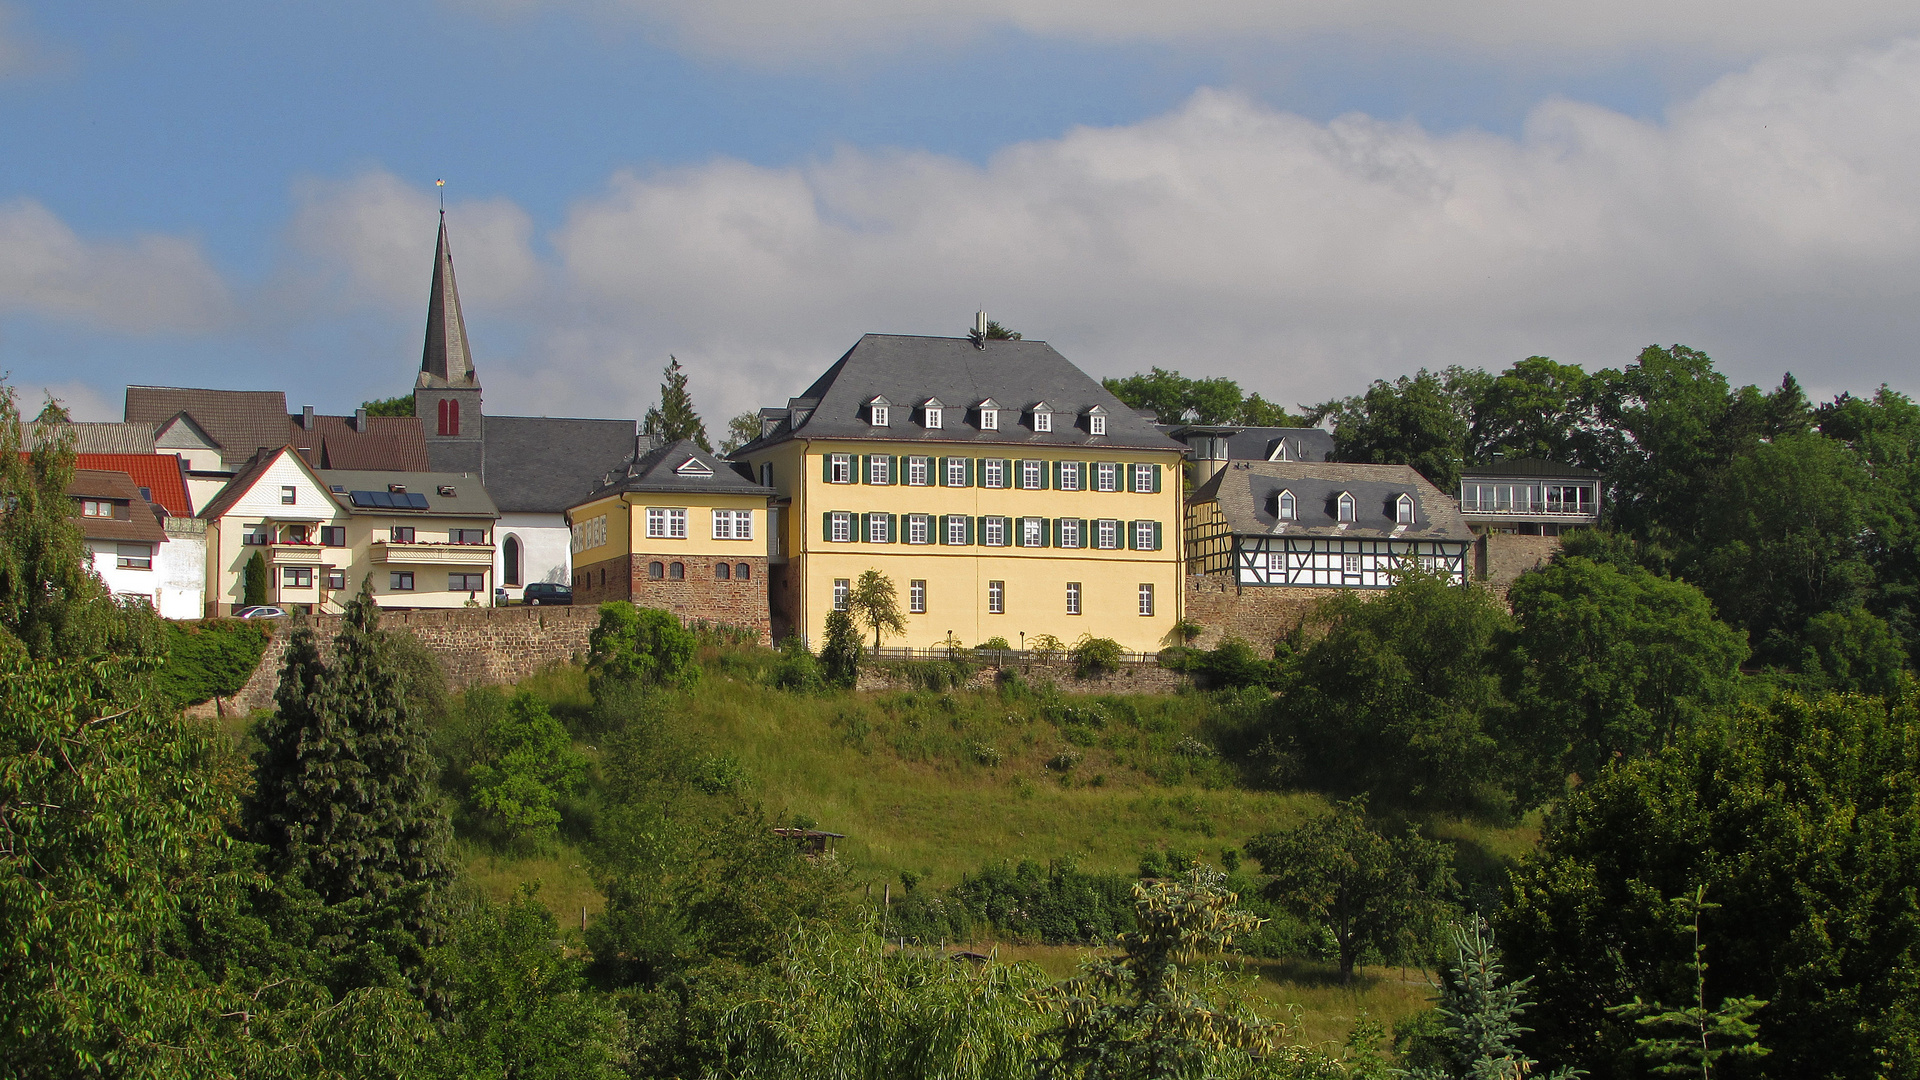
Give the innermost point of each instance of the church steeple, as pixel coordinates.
(447, 361)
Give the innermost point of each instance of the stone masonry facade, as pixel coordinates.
(699, 594)
(1260, 615)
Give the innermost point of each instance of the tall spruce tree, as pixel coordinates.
(674, 418)
(345, 800)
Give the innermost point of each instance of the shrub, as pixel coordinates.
(640, 645)
(209, 659)
(996, 643)
(1235, 664)
(1057, 904)
(1096, 656)
(1046, 648)
(840, 653)
(797, 670)
(531, 765)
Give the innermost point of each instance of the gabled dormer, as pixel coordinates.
(1286, 507)
(987, 414)
(879, 410)
(693, 467)
(1345, 510)
(1040, 416)
(933, 414)
(1403, 509)
(1094, 417)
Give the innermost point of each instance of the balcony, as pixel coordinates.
(387, 553)
(294, 554)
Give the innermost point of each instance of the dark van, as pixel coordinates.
(546, 592)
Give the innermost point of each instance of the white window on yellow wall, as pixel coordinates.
(917, 525)
(1143, 478)
(956, 530)
(840, 527)
(733, 524)
(1070, 476)
(917, 471)
(993, 473)
(1107, 534)
(841, 587)
(956, 472)
(1069, 532)
(880, 469)
(1031, 473)
(995, 532)
(663, 523)
(1106, 476)
(1033, 532)
(996, 598)
(1073, 598)
(1146, 598)
(590, 533)
(917, 597)
(839, 468)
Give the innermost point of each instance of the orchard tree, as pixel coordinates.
(1371, 892)
(875, 602)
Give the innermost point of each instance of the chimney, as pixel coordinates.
(306, 418)
(360, 421)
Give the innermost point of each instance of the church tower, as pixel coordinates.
(446, 396)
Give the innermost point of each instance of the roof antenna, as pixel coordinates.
(979, 334)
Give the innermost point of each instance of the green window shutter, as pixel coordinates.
(1054, 468)
(969, 477)
(893, 530)
(1045, 525)
(940, 466)
(826, 468)
(1156, 491)
(826, 527)
(1047, 481)
(1056, 531)
(893, 470)
(969, 531)
(1156, 529)
(1126, 481)
(861, 463)
(981, 522)
(1133, 535)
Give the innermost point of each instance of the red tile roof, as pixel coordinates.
(159, 473)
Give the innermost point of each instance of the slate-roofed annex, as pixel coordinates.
(542, 464)
(1249, 499)
(908, 370)
(678, 466)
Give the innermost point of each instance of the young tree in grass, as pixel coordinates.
(1479, 1016)
(1370, 891)
(674, 417)
(874, 602)
(531, 765)
(840, 652)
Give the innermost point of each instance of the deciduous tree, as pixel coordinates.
(875, 602)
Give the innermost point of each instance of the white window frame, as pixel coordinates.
(996, 598)
(933, 417)
(1403, 510)
(1142, 478)
(839, 468)
(1289, 507)
(1146, 599)
(956, 522)
(1070, 475)
(1107, 534)
(1276, 562)
(1350, 564)
(989, 419)
(1033, 474)
(1143, 535)
(877, 530)
(956, 472)
(1033, 532)
(103, 508)
(840, 527)
(993, 473)
(676, 523)
(1043, 421)
(1097, 424)
(917, 596)
(1070, 532)
(1106, 476)
(133, 556)
(919, 528)
(733, 524)
(1345, 509)
(879, 415)
(993, 532)
(842, 588)
(880, 470)
(919, 471)
(1073, 598)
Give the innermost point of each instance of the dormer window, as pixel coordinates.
(932, 413)
(989, 415)
(1096, 421)
(693, 467)
(1042, 416)
(1345, 507)
(1403, 510)
(1287, 511)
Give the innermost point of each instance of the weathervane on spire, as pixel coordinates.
(442, 185)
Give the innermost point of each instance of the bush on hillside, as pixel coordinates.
(1096, 656)
(640, 645)
(840, 653)
(797, 670)
(209, 659)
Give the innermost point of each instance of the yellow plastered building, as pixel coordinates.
(425, 540)
(1005, 493)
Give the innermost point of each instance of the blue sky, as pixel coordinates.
(241, 195)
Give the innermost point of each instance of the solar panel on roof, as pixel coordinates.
(417, 501)
(362, 498)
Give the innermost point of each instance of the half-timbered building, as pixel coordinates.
(1322, 525)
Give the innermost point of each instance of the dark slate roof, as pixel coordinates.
(1249, 495)
(448, 494)
(678, 467)
(1258, 443)
(908, 370)
(543, 465)
(1529, 468)
(392, 443)
(241, 421)
(141, 523)
(99, 438)
(446, 360)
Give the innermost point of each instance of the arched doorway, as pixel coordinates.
(510, 556)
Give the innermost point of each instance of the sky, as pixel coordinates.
(1302, 196)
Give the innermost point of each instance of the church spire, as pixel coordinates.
(447, 361)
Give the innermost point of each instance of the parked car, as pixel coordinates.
(546, 592)
(260, 611)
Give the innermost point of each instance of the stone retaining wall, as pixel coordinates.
(1260, 614)
(1132, 678)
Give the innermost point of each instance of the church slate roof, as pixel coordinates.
(666, 469)
(446, 359)
(1016, 374)
(542, 465)
(1249, 494)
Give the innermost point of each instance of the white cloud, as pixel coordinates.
(827, 31)
(149, 284)
(1773, 220)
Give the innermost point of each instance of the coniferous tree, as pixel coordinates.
(253, 585)
(675, 418)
